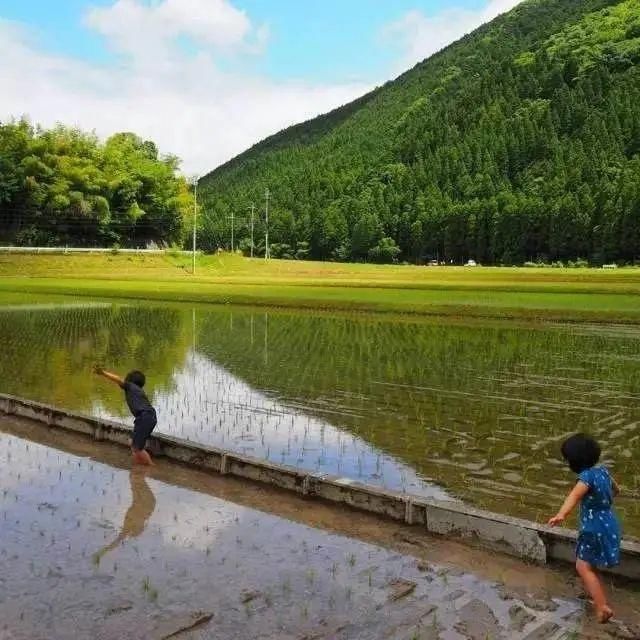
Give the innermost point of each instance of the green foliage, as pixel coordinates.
(64, 187)
(519, 143)
(385, 251)
(613, 32)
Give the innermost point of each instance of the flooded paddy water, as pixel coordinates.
(93, 550)
(439, 407)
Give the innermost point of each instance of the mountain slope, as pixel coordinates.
(518, 142)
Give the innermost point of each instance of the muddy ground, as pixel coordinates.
(89, 549)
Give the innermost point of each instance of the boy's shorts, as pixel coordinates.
(143, 425)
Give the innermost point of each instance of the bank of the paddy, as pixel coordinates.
(92, 550)
(550, 294)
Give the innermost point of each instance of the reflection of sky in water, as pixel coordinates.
(481, 409)
(92, 551)
(211, 406)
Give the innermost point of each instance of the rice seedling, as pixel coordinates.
(460, 404)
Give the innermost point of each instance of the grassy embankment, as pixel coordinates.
(554, 294)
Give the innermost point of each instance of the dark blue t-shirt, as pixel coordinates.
(136, 399)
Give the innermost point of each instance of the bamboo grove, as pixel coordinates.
(62, 186)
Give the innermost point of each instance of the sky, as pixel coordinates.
(206, 79)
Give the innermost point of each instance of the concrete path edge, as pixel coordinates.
(521, 538)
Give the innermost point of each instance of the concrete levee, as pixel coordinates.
(499, 532)
(514, 536)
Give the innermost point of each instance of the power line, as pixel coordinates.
(232, 218)
(75, 220)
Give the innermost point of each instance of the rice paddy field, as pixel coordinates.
(91, 549)
(597, 295)
(456, 408)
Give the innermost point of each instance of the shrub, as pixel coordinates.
(385, 251)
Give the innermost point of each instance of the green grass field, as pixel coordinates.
(553, 294)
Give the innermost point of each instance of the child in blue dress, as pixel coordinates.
(599, 536)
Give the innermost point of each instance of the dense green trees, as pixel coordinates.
(62, 186)
(520, 142)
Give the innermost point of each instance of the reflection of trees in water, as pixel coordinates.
(143, 504)
(48, 354)
(464, 404)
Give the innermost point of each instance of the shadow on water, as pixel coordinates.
(479, 409)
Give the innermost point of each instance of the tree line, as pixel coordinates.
(519, 143)
(62, 186)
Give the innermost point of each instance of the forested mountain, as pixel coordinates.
(519, 142)
(64, 187)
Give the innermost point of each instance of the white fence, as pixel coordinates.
(88, 250)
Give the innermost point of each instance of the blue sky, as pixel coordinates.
(309, 39)
(339, 38)
(205, 79)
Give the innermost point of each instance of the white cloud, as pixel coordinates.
(181, 100)
(143, 30)
(179, 96)
(420, 36)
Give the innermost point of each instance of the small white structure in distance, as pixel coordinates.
(471, 263)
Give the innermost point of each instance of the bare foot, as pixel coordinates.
(142, 457)
(604, 615)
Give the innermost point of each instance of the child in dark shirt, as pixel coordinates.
(144, 414)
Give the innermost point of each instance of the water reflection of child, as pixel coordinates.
(144, 414)
(599, 536)
(143, 504)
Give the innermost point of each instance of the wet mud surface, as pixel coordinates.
(90, 549)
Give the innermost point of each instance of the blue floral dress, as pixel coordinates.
(599, 536)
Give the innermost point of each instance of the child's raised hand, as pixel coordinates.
(556, 520)
(97, 369)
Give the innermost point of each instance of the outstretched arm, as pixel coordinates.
(114, 377)
(578, 492)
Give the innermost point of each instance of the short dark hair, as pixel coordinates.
(581, 452)
(136, 377)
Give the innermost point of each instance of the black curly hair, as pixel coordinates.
(581, 452)
(136, 377)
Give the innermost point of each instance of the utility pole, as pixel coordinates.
(195, 220)
(252, 210)
(232, 217)
(266, 231)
